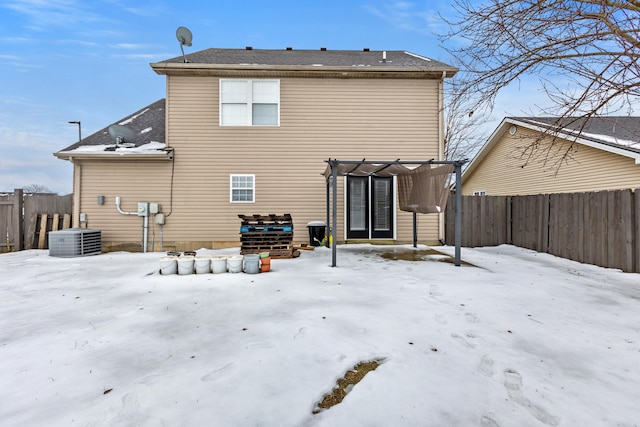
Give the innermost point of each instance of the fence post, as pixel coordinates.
(18, 219)
(509, 224)
(636, 227)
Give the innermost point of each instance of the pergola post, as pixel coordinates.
(415, 230)
(458, 213)
(334, 179)
(328, 216)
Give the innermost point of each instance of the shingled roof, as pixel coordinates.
(316, 61)
(617, 131)
(148, 126)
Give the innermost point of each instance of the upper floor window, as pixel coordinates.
(249, 102)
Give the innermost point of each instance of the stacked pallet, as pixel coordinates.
(267, 233)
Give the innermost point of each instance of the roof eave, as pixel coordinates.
(573, 137)
(190, 69)
(112, 155)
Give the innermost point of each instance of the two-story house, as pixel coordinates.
(248, 131)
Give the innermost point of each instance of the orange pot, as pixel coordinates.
(265, 264)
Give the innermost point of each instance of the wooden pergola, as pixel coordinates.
(337, 168)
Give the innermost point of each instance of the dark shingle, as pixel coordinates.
(329, 58)
(149, 119)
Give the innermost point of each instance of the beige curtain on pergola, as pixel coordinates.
(425, 189)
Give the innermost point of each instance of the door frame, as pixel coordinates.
(369, 233)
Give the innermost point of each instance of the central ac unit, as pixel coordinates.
(74, 242)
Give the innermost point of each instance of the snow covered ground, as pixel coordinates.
(518, 339)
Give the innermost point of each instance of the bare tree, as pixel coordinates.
(585, 53)
(463, 133)
(37, 188)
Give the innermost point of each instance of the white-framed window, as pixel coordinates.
(242, 188)
(249, 102)
(480, 193)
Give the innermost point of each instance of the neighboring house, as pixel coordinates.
(534, 155)
(247, 131)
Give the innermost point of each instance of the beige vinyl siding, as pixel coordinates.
(133, 182)
(348, 119)
(586, 169)
(319, 119)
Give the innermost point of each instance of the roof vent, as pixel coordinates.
(366, 49)
(289, 48)
(323, 49)
(249, 48)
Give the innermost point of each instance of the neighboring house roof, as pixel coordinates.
(392, 63)
(148, 126)
(617, 134)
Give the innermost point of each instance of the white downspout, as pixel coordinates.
(77, 191)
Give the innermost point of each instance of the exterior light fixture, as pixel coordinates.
(79, 129)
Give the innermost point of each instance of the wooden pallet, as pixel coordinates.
(274, 252)
(267, 233)
(271, 219)
(273, 237)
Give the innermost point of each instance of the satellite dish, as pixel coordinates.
(184, 37)
(123, 136)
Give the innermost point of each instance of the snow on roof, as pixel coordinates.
(147, 124)
(151, 147)
(612, 139)
(623, 132)
(132, 118)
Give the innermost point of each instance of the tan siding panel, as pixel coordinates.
(132, 181)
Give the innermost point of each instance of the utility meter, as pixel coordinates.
(143, 208)
(155, 208)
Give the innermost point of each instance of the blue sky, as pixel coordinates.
(69, 60)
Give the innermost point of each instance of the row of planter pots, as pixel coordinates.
(173, 263)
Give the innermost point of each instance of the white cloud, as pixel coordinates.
(130, 46)
(44, 15)
(408, 16)
(12, 58)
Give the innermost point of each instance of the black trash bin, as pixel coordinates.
(317, 231)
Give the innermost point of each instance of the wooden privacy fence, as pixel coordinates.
(25, 219)
(600, 228)
(11, 207)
